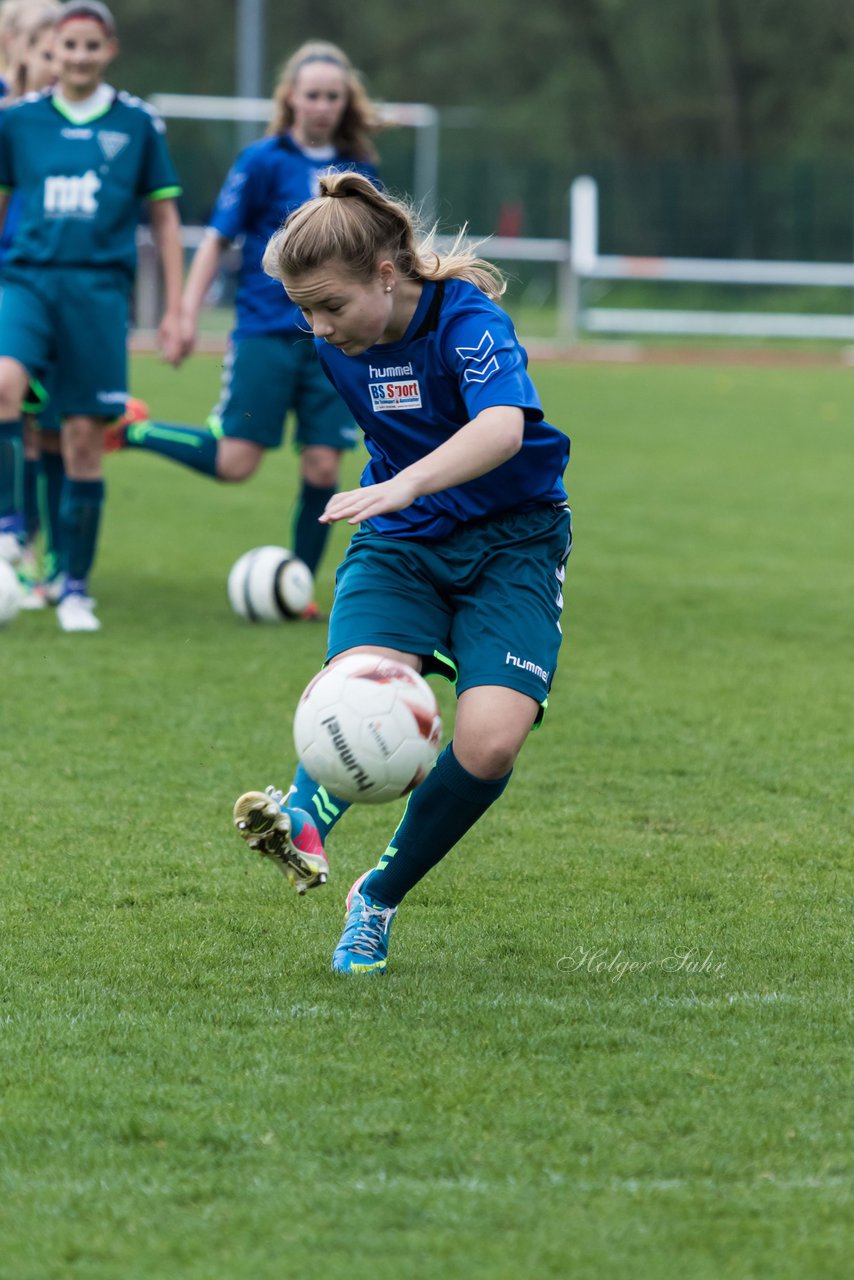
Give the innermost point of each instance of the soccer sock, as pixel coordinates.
(11, 476)
(309, 801)
(309, 535)
(439, 813)
(79, 518)
(193, 447)
(50, 496)
(32, 472)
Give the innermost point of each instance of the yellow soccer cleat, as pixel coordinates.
(265, 825)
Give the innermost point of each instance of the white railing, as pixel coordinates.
(502, 248)
(587, 264)
(577, 262)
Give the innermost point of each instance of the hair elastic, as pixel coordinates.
(321, 57)
(94, 10)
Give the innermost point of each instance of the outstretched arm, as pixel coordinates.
(491, 438)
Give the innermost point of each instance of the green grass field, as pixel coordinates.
(615, 1036)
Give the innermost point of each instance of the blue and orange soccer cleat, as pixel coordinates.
(115, 435)
(265, 825)
(363, 947)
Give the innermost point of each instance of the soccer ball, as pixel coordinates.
(368, 729)
(10, 593)
(269, 584)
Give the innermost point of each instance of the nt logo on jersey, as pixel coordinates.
(64, 196)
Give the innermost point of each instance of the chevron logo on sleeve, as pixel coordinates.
(480, 361)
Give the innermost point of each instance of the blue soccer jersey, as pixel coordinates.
(459, 355)
(10, 226)
(80, 184)
(267, 181)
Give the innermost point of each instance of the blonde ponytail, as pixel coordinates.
(353, 223)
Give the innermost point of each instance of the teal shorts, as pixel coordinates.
(38, 404)
(266, 378)
(482, 607)
(69, 326)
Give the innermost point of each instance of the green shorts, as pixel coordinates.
(482, 607)
(266, 378)
(69, 325)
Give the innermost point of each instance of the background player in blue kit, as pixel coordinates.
(459, 562)
(82, 157)
(323, 120)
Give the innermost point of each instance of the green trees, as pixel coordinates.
(622, 78)
(531, 94)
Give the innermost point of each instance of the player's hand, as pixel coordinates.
(354, 505)
(188, 334)
(169, 339)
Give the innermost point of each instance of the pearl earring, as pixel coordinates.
(388, 288)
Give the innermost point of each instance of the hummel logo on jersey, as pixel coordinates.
(82, 135)
(481, 364)
(390, 370)
(112, 143)
(71, 195)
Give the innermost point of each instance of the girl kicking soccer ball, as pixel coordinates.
(458, 564)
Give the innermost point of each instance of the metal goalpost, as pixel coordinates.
(419, 116)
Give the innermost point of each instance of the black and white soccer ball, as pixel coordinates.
(368, 729)
(270, 584)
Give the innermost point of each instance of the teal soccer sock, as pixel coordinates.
(50, 497)
(193, 447)
(440, 811)
(11, 475)
(80, 518)
(32, 474)
(323, 808)
(309, 535)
